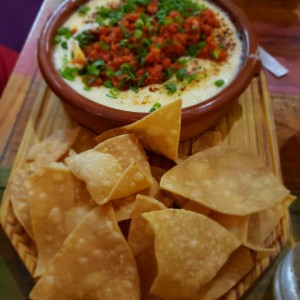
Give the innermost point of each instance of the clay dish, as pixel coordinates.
(195, 119)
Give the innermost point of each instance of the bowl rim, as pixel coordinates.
(249, 68)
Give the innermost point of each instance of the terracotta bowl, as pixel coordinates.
(195, 119)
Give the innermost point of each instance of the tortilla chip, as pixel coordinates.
(179, 200)
(162, 139)
(100, 171)
(131, 181)
(207, 140)
(196, 207)
(262, 223)
(123, 207)
(225, 179)
(85, 140)
(237, 225)
(57, 201)
(52, 148)
(157, 173)
(108, 134)
(141, 242)
(127, 149)
(18, 194)
(190, 249)
(260, 252)
(94, 262)
(114, 169)
(238, 265)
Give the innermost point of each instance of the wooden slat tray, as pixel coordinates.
(249, 125)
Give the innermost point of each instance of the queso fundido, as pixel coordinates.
(138, 55)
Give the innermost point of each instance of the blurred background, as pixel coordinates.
(16, 19)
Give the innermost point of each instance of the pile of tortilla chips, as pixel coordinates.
(108, 225)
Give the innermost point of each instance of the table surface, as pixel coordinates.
(277, 25)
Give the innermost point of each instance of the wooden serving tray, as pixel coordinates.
(249, 125)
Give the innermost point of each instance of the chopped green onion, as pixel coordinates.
(93, 69)
(126, 34)
(104, 46)
(129, 7)
(69, 73)
(64, 31)
(188, 79)
(104, 11)
(139, 23)
(141, 81)
(138, 34)
(180, 74)
(84, 38)
(87, 88)
(109, 72)
(113, 21)
(126, 67)
(168, 73)
(64, 45)
(142, 2)
(168, 21)
(100, 20)
(57, 40)
(219, 82)
(108, 83)
(215, 54)
(83, 9)
(124, 43)
(113, 92)
(183, 61)
(171, 88)
(155, 107)
(201, 45)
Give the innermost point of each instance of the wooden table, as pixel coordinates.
(277, 25)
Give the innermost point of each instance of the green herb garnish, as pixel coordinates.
(104, 46)
(219, 82)
(69, 73)
(155, 107)
(113, 93)
(83, 10)
(171, 88)
(181, 73)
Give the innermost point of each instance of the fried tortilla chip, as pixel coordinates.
(85, 140)
(141, 242)
(190, 249)
(100, 171)
(95, 262)
(57, 201)
(262, 223)
(123, 207)
(113, 169)
(238, 265)
(108, 134)
(225, 179)
(162, 139)
(260, 251)
(127, 149)
(19, 199)
(206, 140)
(52, 148)
(237, 225)
(196, 207)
